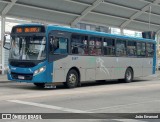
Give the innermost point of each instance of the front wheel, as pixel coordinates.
(72, 79)
(128, 75)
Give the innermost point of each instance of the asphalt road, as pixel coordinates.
(140, 96)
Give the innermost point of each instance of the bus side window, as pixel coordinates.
(92, 48)
(131, 48)
(52, 44)
(63, 45)
(149, 50)
(99, 46)
(95, 46)
(109, 46)
(141, 49)
(85, 43)
(121, 48)
(79, 45)
(58, 45)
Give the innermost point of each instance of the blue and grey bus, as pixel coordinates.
(50, 54)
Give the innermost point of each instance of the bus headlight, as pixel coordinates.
(42, 69)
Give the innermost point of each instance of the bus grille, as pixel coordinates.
(25, 76)
(22, 64)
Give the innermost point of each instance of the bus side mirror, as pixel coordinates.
(6, 42)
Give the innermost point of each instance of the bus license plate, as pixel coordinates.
(21, 77)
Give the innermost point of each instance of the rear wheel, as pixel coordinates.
(39, 85)
(72, 79)
(128, 75)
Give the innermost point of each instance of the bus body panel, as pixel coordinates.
(90, 67)
(101, 68)
(154, 60)
(147, 66)
(137, 66)
(114, 71)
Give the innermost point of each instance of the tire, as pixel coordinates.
(72, 79)
(128, 75)
(39, 85)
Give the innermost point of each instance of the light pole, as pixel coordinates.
(2, 39)
(158, 51)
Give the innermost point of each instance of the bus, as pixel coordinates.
(48, 54)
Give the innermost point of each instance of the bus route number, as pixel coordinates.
(74, 58)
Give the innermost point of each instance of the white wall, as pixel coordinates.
(8, 27)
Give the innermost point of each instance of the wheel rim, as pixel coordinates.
(129, 75)
(72, 79)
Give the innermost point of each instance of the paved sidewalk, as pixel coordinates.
(3, 78)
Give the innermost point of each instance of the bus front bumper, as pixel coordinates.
(28, 75)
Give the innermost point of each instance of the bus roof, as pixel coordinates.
(75, 30)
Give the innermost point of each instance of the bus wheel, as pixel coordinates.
(40, 85)
(72, 79)
(128, 75)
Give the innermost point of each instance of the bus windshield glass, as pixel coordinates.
(28, 48)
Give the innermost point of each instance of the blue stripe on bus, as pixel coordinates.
(154, 61)
(73, 30)
(50, 72)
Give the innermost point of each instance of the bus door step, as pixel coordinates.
(50, 86)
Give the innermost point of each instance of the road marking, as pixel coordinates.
(47, 106)
(82, 90)
(67, 110)
(123, 105)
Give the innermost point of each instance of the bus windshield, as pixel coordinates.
(28, 48)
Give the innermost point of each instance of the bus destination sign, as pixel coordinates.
(28, 30)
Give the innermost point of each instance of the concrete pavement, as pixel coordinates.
(3, 78)
(140, 96)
